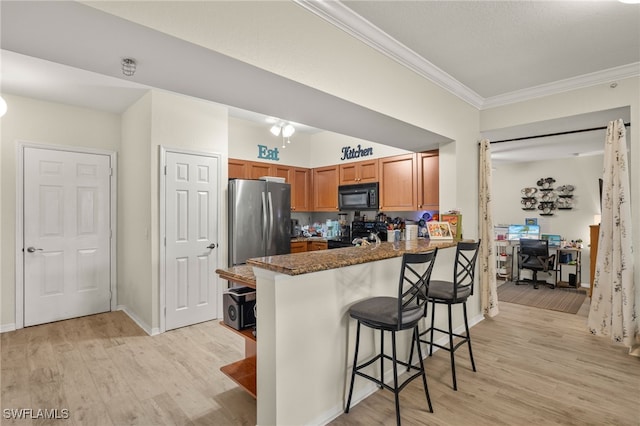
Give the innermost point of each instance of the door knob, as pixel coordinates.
(211, 246)
(33, 249)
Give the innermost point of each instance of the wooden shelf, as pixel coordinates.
(243, 372)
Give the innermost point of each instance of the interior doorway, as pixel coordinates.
(64, 234)
(190, 219)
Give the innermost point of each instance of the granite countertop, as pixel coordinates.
(240, 274)
(314, 261)
(299, 239)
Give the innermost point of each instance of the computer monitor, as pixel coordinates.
(530, 232)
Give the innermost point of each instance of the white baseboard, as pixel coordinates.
(7, 327)
(143, 325)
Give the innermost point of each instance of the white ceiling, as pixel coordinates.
(487, 53)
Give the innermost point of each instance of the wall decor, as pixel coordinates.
(546, 198)
(268, 154)
(349, 153)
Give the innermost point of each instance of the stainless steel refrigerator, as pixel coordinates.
(259, 219)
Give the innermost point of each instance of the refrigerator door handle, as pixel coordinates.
(264, 218)
(270, 200)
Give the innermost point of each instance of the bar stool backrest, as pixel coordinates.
(465, 268)
(413, 288)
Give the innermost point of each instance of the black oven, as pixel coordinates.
(362, 196)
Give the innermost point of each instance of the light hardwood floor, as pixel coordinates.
(535, 367)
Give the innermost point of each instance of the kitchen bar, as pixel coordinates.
(305, 338)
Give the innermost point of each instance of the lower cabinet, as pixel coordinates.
(298, 246)
(304, 246)
(316, 245)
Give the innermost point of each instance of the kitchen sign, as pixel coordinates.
(349, 153)
(265, 153)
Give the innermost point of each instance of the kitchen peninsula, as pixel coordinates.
(304, 335)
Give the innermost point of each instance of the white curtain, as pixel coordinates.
(488, 285)
(613, 309)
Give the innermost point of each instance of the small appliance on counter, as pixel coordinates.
(296, 230)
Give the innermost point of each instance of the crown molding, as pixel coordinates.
(336, 13)
(592, 79)
(355, 25)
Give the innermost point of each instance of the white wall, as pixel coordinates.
(187, 123)
(323, 148)
(31, 120)
(581, 172)
(134, 213)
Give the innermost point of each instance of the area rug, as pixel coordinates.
(567, 300)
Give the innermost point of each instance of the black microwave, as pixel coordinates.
(363, 196)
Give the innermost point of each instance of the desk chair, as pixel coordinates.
(452, 293)
(396, 314)
(534, 255)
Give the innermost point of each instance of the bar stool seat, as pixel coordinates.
(393, 314)
(452, 293)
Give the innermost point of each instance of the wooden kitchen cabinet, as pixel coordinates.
(238, 169)
(300, 189)
(428, 180)
(317, 245)
(298, 246)
(359, 172)
(398, 183)
(257, 170)
(325, 181)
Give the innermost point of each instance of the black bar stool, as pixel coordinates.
(396, 314)
(452, 293)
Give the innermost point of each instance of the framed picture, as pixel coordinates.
(439, 231)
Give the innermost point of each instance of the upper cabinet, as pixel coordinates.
(408, 182)
(257, 170)
(359, 172)
(398, 183)
(238, 169)
(300, 189)
(299, 178)
(325, 181)
(428, 180)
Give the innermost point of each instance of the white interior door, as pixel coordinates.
(67, 235)
(192, 194)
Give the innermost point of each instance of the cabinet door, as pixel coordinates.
(428, 180)
(282, 171)
(237, 169)
(325, 189)
(398, 183)
(348, 174)
(368, 171)
(359, 172)
(257, 170)
(300, 189)
(298, 246)
(317, 245)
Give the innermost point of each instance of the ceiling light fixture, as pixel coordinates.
(286, 129)
(128, 66)
(275, 129)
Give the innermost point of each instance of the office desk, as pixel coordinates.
(562, 268)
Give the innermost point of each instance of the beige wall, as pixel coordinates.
(36, 121)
